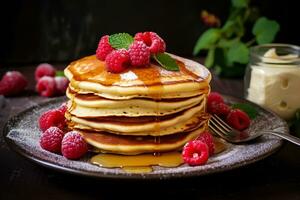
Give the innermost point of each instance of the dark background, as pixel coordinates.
(36, 31)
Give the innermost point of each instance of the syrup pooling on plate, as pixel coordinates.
(138, 163)
(143, 163)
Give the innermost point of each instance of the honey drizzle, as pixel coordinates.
(143, 163)
(138, 163)
(90, 69)
(93, 70)
(152, 73)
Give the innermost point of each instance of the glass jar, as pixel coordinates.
(272, 78)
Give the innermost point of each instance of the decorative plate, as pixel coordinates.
(22, 135)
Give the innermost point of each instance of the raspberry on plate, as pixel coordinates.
(46, 86)
(61, 85)
(117, 61)
(220, 109)
(139, 53)
(208, 139)
(73, 145)
(195, 153)
(215, 97)
(44, 69)
(12, 83)
(52, 118)
(155, 43)
(63, 108)
(238, 119)
(104, 48)
(51, 139)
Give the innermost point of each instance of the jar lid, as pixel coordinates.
(276, 54)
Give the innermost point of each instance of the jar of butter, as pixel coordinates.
(272, 78)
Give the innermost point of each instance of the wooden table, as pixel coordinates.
(276, 177)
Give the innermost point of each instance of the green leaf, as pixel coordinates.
(207, 40)
(265, 30)
(229, 25)
(250, 110)
(209, 60)
(166, 61)
(226, 43)
(239, 53)
(120, 40)
(240, 3)
(59, 73)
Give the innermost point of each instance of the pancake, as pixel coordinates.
(154, 127)
(88, 75)
(141, 110)
(189, 125)
(131, 145)
(93, 106)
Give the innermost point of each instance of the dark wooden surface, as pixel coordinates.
(276, 177)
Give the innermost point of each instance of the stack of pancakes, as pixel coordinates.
(143, 109)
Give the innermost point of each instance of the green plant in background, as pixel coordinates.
(227, 52)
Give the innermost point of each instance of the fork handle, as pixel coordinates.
(287, 137)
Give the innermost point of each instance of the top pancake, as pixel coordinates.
(89, 75)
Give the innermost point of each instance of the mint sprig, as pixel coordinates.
(124, 40)
(120, 40)
(166, 61)
(250, 110)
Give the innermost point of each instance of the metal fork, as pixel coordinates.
(221, 128)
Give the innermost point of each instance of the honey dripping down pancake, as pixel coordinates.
(88, 75)
(141, 110)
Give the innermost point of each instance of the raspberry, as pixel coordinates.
(12, 83)
(61, 85)
(117, 61)
(213, 99)
(63, 108)
(238, 119)
(155, 43)
(51, 139)
(104, 48)
(44, 69)
(208, 139)
(46, 86)
(52, 118)
(195, 153)
(73, 145)
(139, 53)
(220, 109)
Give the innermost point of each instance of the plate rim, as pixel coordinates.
(65, 169)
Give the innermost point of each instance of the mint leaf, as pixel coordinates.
(240, 3)
(265, 30)
(250, 110)
(59, 73)
(238, 52)
(166, 61)
(209, 60)
(120, 40)
(207, 39)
